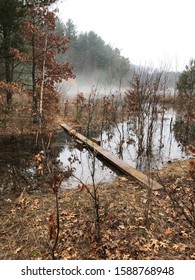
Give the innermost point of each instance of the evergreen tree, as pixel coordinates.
(186, 88)
(70, 30)
(12, 13)
(89, 53)
(184, 127)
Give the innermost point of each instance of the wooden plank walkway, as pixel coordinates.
(119, 164)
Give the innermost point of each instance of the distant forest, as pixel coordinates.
(92, 56)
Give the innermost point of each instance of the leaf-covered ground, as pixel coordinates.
(132, 227)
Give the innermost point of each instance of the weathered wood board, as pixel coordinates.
(119, 164)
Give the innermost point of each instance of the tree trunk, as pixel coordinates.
(42, 85)
(8, 78)
(33, 76)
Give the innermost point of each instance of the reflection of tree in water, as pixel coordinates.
(16, 161)
(17, 167)
(184, 131)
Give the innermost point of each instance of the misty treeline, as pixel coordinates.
(89, 53)
(93, 57)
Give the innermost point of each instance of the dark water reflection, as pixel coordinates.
(17, 166)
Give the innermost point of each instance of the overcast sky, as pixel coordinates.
(149, 32)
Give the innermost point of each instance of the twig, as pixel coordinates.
(57, 219)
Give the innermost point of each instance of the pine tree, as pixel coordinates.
(12, 14)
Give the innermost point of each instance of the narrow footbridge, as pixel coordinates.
(114, 161)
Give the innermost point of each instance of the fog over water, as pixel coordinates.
(69, 89)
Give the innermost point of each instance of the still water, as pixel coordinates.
(17, 166)
(122, 141)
